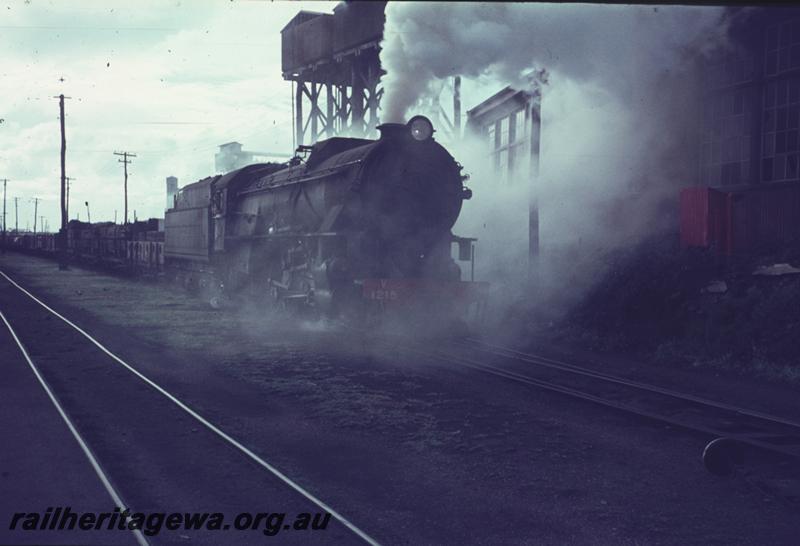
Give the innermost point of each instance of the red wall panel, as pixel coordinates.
(741, 220)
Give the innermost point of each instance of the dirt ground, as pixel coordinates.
(414, 452)
(685, 308)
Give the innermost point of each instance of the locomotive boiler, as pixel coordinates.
(355, 225)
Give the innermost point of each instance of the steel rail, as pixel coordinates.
(580, 370)
(203, 421)
(587, 396)
(87, 451)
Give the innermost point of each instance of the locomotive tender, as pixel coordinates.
(358, 224)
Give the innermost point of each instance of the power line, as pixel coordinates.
(43, 27)
(252, 126)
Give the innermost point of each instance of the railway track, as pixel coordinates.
(730, 427)
(150, 449)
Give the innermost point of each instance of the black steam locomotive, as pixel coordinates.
(355, 225)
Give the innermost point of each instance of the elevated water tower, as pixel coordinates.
(333, 61)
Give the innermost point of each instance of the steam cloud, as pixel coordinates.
(619, 120)
(618, 47)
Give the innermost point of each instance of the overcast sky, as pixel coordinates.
(168, 80)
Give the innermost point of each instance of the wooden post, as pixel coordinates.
(63, 164)
(298, 112)
(125, 161)
(35, 212)
(5, 229)
(62, 233)
(534, 124)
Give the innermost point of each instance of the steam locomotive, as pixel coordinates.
(355, 226)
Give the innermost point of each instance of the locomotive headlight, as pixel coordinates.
(421, 128)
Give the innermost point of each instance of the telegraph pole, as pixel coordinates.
(35, 212)
(5, 181)
(88, 216)
(16, 215)
(63, 163)
(62, 233)
(125, 161)
(5, 228)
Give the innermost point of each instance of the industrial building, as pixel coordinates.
(748, 193)
(231, 156)
(752, 102)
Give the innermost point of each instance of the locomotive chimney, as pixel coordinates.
(393, 131)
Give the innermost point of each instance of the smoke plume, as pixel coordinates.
(619, 130)
(618, 47)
